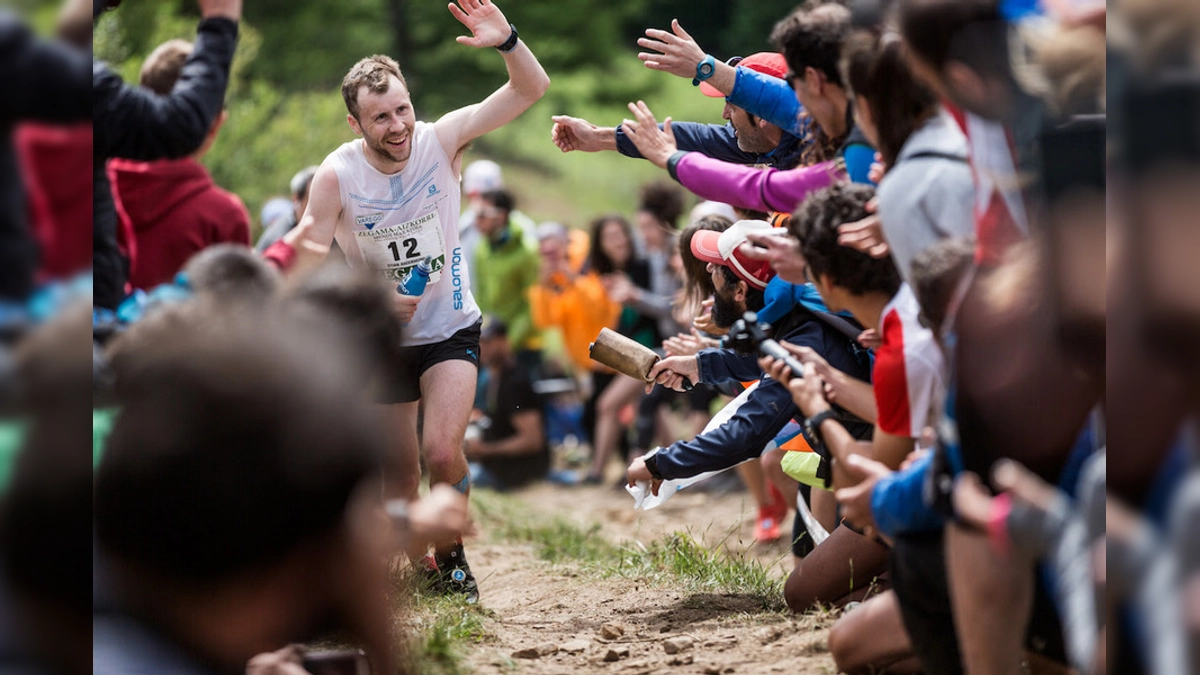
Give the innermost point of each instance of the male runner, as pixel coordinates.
(391, 200)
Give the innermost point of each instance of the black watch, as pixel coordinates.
(812, 425)
(511, 43)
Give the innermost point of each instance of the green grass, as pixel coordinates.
(442, 630)
(678, 560)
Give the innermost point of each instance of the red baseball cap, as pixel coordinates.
(721, 248)
(768, 63)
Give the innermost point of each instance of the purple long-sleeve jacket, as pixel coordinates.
(750, 187)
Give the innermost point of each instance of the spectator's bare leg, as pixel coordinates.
(840, 570)
(871, 639)
(991, 597)
(622, 391)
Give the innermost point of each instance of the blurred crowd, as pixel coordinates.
(879, 292)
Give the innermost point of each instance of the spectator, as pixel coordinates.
(47, 86)
(623, 274)
(927, 192)
(251, 520)
(280, 225)
(504, 268)
(571, 300)
(739, 283)
(138, 124)
(508, 447)
(54, 160)
(230, 274)
(745, 139)
(480, 176)
(172, 207)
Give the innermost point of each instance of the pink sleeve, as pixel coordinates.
(753, 188)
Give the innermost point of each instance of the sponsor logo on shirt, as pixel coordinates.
(432, 190)
(369, 220)
(456, 276)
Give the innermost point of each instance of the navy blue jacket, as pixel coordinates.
(136, 123)
(717, 141)
(769, 407)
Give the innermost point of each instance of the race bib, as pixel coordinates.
(393, 250)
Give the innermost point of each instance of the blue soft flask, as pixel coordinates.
(414, 282)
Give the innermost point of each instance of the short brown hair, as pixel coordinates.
(372, 72)
(160, 70)
(812, 36)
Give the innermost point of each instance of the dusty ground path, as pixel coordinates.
(562, 617)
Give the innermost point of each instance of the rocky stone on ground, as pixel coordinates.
(678, 644)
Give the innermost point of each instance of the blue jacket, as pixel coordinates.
(717, 141)
(773, 100)
(768, 408)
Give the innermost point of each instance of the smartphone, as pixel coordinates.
(337, 662)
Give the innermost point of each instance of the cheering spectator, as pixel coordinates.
(172, 207)
(135, 123)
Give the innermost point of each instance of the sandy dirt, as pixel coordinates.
(551, 619)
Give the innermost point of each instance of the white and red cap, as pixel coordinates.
(721, 248)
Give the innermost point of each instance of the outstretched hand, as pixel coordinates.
(573, 133)
(486, 22)
(656, 145)
(677, 53)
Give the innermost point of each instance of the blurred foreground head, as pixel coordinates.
(232, 500)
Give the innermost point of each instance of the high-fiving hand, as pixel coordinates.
(677, 53)
(656, 145)
(486, 22)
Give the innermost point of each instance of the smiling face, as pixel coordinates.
(750, 137)
(385, 120)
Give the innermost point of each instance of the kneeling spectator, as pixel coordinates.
(506, 443)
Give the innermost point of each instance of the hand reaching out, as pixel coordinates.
(575, 134)
(486, 22)
(677, 53)
(687, 345)
(656, 145)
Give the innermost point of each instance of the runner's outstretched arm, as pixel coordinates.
(527, 81)
(313, 235)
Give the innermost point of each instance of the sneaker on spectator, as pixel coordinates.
(766, 528)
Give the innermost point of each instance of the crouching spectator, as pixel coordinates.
(505, 444)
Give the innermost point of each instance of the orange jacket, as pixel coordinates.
(578, 307)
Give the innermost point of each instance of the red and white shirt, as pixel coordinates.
(1000, 218)
(909, 369)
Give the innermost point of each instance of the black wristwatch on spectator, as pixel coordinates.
(812, 429)
(511, 43)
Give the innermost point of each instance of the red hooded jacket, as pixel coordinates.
(174, 210)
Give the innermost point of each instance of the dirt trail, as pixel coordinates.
(549, 619)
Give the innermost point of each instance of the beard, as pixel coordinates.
(725, 310)
(386, 152)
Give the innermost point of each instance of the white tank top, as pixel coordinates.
(392, 222)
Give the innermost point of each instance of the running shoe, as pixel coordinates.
(456, 577)
(766, 528)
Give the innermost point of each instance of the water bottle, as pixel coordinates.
(415, 280)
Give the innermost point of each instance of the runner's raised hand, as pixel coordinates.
(486, 22)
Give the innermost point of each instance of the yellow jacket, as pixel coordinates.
(579, 307)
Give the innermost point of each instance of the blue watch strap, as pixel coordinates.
(704, 69)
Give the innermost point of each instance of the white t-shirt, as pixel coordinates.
(391, 222)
